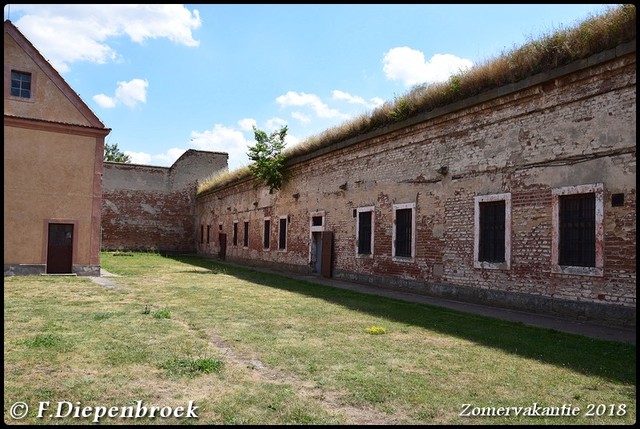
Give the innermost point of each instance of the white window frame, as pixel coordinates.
(506, 265)
(359, 210)
(397, 207)
(598, 190)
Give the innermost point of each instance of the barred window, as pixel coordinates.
(267, 233)
(492, 231)
(235, 233)
(245, 237)
(404, 230)
(577, 222)
(578, 230)
(365, 232)
(492, 227)
(282, 239)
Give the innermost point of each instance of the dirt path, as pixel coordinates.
(329, 399)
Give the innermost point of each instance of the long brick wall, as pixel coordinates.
(573, 128)
(152, 208)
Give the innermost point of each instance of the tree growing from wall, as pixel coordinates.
(112, 153)
(267, 157)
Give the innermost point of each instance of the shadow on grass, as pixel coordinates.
(594, 357)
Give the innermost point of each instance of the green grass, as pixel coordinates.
(255, 348)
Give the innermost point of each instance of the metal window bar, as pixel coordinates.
(492, 227)
(364, 233)
(403, 232)
(283, 234)
(267, 230)
(577, 220)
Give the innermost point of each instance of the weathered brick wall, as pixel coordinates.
(146, 207)
(571, 127)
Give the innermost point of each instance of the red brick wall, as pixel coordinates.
(149, 221)
(570, 128)
(152, 208)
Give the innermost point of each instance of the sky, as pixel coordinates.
(171, 77)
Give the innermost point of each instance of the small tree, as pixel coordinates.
(112, 153)
(267, 157)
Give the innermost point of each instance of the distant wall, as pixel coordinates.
(147, 207)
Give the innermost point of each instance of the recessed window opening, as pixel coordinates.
(492, 232)
(282, 237)
(404, 230)
(364, 231)
(235, 233)
(20, 84)
(267, 233)
(578, 230)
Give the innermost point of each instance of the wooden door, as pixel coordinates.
(327, 253)
(60, 249)
(222, 253)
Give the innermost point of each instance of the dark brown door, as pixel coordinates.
(60, 248)
(222, 253)
(327, 253)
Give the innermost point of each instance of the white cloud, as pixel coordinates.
(247, 124)
(312, 101)
(138, 157)
(68, 33)
(132, 92)
(167, 158)
(409, 66)
(345, 96)
(105, 101)
(128, 93)
(275, 123)
(223, 139)
(305, 119)
(218, 139)
(376, 101)
(291, 140)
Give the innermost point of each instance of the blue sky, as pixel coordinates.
(167, 78)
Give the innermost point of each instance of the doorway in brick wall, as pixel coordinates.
(320, 245)
(60, 248)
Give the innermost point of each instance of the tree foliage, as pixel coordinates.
(112, 153)
(267, 157)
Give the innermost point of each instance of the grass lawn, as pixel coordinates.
(253, 348)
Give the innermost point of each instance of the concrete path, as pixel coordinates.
(105, 279)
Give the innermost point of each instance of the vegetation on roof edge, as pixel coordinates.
(595, 34)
